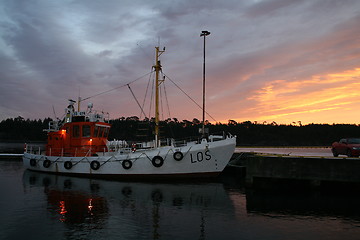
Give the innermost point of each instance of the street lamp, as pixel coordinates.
(204, 34)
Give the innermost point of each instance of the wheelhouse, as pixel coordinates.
(78, 139)
(80, 133)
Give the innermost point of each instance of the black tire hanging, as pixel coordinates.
(46, 163)
(126, 164)
(178, 156)
(68, 165)
(95, 165)
(33, 162)
(157, 161)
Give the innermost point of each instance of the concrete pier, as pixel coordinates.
(316, 171)
(11, 156)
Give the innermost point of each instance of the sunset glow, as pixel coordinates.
(321, 98)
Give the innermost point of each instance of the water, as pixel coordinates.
(43, 206)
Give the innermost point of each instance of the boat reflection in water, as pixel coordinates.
(70, 203)
(91, 207)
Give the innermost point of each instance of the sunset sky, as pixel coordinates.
(266, 60)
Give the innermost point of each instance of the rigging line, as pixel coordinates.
(146, 92)
(136, 100)
(190, 97)
(152, 95)
(167, 101)
(116, 87)
(161, 103)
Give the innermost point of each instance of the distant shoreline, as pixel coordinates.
(16, 147)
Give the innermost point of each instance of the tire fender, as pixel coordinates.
(178, 156)
(46, 163)
(68, 165)
(126, 164)
(157, 161)
(95, 165)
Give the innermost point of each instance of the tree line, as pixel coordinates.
(248, 133)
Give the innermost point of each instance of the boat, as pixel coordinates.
(78, 145)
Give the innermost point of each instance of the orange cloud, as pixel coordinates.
(319, 97)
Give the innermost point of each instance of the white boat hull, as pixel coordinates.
(204, 159)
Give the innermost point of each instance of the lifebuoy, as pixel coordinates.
(178, 156)
(157, 161)
(33, 162)
(68, 165)
(46, 163)
(95, 165)
(127, 164)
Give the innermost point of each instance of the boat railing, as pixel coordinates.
(126, 146)
(61, 152)
(117, 145)
(34, 149)
(197, 139)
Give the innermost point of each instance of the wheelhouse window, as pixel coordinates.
(106, 132)
(76, 131)
(96, 131)
(86, 131)
(101, 132)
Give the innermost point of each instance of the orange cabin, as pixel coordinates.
(78, 139)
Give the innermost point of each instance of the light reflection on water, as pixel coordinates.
(46, 206)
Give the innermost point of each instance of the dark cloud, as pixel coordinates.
(54, 50)
(270, 7)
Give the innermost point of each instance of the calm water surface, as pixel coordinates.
(42, 206)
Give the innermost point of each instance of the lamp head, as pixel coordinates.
(204, 33)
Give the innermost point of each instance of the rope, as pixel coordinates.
(116, 87)
(147, 89)
(127, 84)
(190, 98)
(152, 96)
(136, 100)
(167, 102)
(161, 103)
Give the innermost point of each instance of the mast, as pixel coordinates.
(157, 67)
(79, 100)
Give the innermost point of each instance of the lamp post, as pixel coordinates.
(204, 34)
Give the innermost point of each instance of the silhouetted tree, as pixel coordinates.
(248, 133)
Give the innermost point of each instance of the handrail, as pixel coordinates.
(121, 146)
(63, 152)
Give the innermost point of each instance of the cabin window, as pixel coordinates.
(86, 131)
(106, 132)
(76, 131)
(96, 131)
(101, 132)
